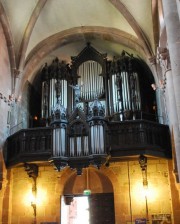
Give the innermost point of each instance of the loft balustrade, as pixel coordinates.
(131, 138)
(123, 139)
(26, 145)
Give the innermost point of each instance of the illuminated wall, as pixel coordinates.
(126, 179)
(48, 196)
(130, 201)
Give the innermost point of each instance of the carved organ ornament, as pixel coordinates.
(79, 99)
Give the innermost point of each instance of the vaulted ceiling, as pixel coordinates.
(39, 30)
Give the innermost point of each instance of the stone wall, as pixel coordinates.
(5, 87)
(126, 178)
(129, 193)
(5, 108)
(48, 196)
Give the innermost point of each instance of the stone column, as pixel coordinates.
(174, 127)
(160, 105)
(172, 23)
(168, 86)
(178, 7)
(164, 62)
(159, 92)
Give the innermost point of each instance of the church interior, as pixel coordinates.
(90, 112)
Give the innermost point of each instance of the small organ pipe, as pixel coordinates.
(54, 142)
(91, 81)
(94, 90)
(89, 75)
(101, 138)
(86, 147)
(42, 101)
(63, 135)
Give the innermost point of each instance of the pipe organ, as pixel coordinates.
(126, 99)
(115, 85)
(54, 86)
(79, 99)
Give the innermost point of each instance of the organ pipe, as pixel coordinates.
(89, 72)
(54, 86)
(79, 146)
(125, 87)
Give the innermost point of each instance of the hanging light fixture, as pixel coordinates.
(87, 191)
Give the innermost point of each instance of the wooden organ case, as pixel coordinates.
(81, 99)
(93, 111)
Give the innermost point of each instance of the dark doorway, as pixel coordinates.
(101, 208)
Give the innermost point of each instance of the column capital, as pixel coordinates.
(160, 86)
(16, 72)
(163, 58)
(152, 60)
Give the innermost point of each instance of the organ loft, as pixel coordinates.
(91, 112)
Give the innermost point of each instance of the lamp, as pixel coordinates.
(32, 171)
(87, 191)
(143, 165)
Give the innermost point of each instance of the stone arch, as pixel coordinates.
(92, 179)
(36, 56)
(24, 44)
(135, 26)
(103, 181)
(9, 40)
(105, 175)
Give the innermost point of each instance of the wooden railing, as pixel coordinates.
(138, 137)
(121, 139)
(26, 145)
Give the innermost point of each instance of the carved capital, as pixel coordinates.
(152, 60)
(16, 72)
(163, 58)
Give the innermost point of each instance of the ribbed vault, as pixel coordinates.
(91, 179)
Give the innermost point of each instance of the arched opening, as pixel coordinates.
(88, 198)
